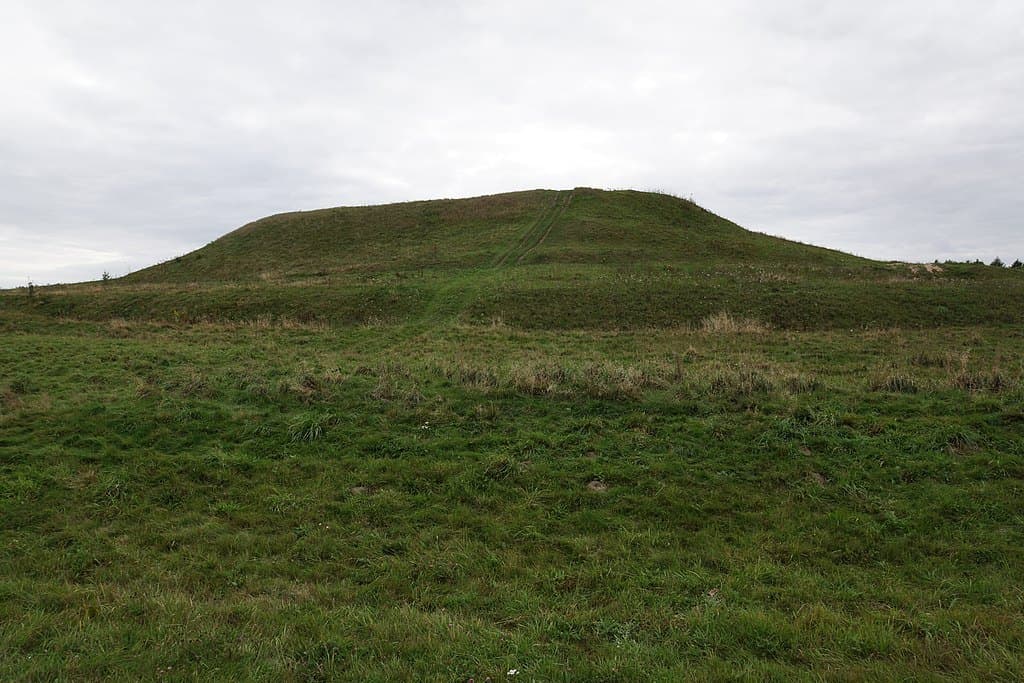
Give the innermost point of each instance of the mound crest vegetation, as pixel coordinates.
(571, 259)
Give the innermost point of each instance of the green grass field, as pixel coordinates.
(445, 440)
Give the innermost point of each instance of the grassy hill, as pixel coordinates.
(582, 435)
(581, 226)
(575, 259)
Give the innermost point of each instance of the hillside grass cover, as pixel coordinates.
(572, 435)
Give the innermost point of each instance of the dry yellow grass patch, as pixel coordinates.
(723, 323)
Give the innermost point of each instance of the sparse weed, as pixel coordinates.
(190, 382)
(895, 383)
(931, 359)
(500, 468)
(305, 388)
(475, 377)
(961, 441)
(390, 388)
(802, 383)
(740, 381)
(487, 411)
(723, 323)
(538, 379)
(973, 381)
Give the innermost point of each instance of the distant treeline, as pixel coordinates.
(997, 263)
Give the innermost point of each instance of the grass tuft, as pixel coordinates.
(741, 381)
(723, 323)
(309, 427)
(895, 383)
(994, 380)
(501, 468)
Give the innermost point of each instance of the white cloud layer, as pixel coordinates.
(134, 131)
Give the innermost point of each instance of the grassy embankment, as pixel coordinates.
(538, 453)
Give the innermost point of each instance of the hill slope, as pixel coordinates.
(547, 259)
(287, 494)
(583, 226)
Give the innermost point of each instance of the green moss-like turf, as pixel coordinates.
(524, 452)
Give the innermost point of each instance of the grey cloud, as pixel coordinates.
(132, 132)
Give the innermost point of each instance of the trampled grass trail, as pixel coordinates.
(451, 299)
(538, 231)
(562, 203)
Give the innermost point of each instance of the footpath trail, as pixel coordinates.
(562, 201)
(452, 297)
(538, 231)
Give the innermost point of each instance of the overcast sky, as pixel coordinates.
(131, 132)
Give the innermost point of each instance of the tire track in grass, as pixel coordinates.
(559, 211)
(451, 298)
(537, 228)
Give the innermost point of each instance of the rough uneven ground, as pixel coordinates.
(582, 435)
(387, 503)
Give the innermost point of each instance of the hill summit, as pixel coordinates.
(581, 226)
(555, 259)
